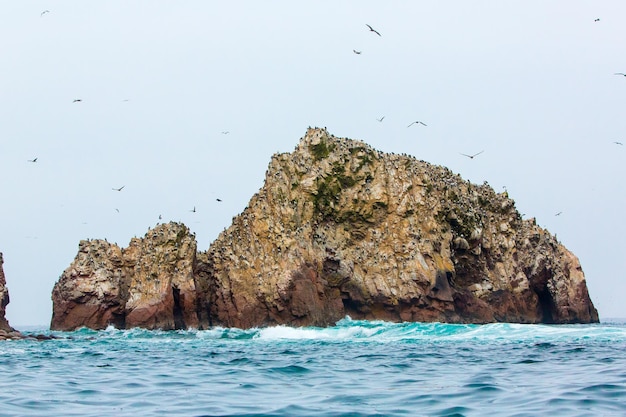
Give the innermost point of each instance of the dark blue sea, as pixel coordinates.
(356, 368)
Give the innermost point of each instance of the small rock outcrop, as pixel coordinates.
(6, 331)
(337, 229)
(150, 284)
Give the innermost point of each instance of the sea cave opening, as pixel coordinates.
(179, 321)
(547, 306)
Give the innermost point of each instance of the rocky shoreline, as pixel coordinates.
(338, 229)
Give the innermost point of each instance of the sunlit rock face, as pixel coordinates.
(339, 229)
(6, 331)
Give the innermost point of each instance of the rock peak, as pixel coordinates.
(149, 284)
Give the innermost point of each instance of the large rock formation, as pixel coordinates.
(339, 229)
(6, 331)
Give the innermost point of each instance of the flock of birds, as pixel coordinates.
(357, 52)
(79, 100)
(472, 156)
(119, 189)
(417, 122)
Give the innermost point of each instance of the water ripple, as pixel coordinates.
(353, 369)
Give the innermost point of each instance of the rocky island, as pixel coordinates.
(6, 331)
(337, 229)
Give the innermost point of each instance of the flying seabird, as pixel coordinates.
(194, 209)
(559, 213)
(77, 100)
(44, 12)
(119, 189)
(218, 200)
(596, 20)
(225, 132)
(472, 156)
(620, 73)
(381, 119)
(32, 160)
(160, 217)
(356, 52)
(617, 143)
(421, 123)
(372, 30)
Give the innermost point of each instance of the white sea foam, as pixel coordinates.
(355, 367)
(311, 333)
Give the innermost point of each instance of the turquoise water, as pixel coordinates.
(356, 368)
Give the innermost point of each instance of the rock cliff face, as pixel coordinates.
(6, 331)
(150, 284)
(4, 298)
(340, 229)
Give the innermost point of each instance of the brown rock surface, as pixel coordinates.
(149, 284)
(340, 229)
(6, 331)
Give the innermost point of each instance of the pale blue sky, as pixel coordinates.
(529, 82)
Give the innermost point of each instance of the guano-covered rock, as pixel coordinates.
(150, 284)
(338, 229)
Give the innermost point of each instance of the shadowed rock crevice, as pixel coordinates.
(179, 320)
(546, 306)
(337, 229)
(118, 320)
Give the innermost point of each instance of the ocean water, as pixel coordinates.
(356, 368)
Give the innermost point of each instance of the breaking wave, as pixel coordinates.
(355, 368)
